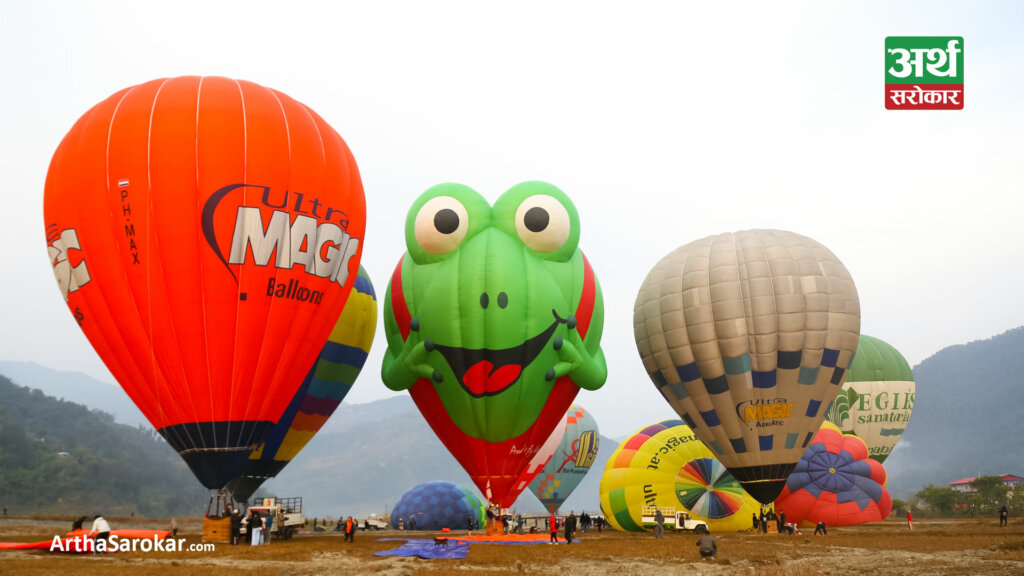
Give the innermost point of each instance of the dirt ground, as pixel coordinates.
(954, 547)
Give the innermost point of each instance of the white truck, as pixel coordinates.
(287, 514)
(673, 519)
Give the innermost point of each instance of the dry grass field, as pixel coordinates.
(973, 547)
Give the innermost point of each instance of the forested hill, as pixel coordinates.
(965, 421)
(63, 458)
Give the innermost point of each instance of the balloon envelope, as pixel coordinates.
(836, 483)
(205, 233)
(877, 398)
(436, 505)
(494, 319)
(322, 391)
(665, 465)
(749, 336)
(578, 440)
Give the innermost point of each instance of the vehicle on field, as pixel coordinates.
(287, 514)
(674, 520)
(374, 523)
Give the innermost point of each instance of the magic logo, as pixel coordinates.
(763, 410)
(299, 231)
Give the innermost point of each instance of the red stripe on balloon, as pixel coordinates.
(585, 309)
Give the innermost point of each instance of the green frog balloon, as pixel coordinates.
(493, 318)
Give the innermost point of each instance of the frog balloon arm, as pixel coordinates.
(587, 372)
(402, 371)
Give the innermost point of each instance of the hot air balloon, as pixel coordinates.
(436, 505)
(205, 233)
(570, 461)
(665, 465)
(836, 483)
(877, 398)
(323, 389)
(493, 318)
(749, 337)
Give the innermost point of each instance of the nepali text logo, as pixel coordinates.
(924, 73)
(69, 278)
(316, 238)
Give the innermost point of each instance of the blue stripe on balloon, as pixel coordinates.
(829, 357)
(765, 442)
(763, 379)
(812, 408)
(808, 376)
(342, 354)
(716, 385)
(736, 364)
(789, 360)
(689, 372)
(364, 286)
(791, 440)
(711, 418)
(738, 445)
(679, 390)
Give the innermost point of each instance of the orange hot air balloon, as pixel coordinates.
(205, 233)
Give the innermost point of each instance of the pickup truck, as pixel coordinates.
(287, 514)
(673, 519)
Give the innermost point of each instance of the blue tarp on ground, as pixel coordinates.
(425, 548)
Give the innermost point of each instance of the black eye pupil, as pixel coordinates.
(446, 221)
(536, 219)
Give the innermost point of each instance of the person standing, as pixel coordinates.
(236, 527)
(174, 528)
(570, 527)
(659, 523)
(910, 520)
(753, 518)
(1004, 515)
(764, 522)
(269, 527)
(255, 528)
(820, 527)
(350, 530)
(553, 526)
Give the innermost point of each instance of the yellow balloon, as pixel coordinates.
(665, 465)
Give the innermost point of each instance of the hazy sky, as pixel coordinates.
(664, 121)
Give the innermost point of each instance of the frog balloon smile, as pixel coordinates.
(493, 317)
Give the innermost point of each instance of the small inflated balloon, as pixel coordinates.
(665, 465)
(322, 391)
(570, 461)
(836, 483)
(205, 234)
(437, 505)
(877, 398)
(749, 337)
(493, 318)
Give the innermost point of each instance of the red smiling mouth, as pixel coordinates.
(485, 372)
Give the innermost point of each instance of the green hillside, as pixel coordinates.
(62, 458)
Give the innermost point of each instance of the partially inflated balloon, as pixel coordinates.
(437, 505)
(749, 336)
(205, 233)
(836, 483)
(665, 465)
(493, 319)
(571, 460)
(877, 398)
(322, 391)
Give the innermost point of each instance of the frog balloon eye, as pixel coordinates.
(543, 223)
(441, 224)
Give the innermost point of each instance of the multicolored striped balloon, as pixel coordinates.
(665, 465)
(322, 391)
(571, 460)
